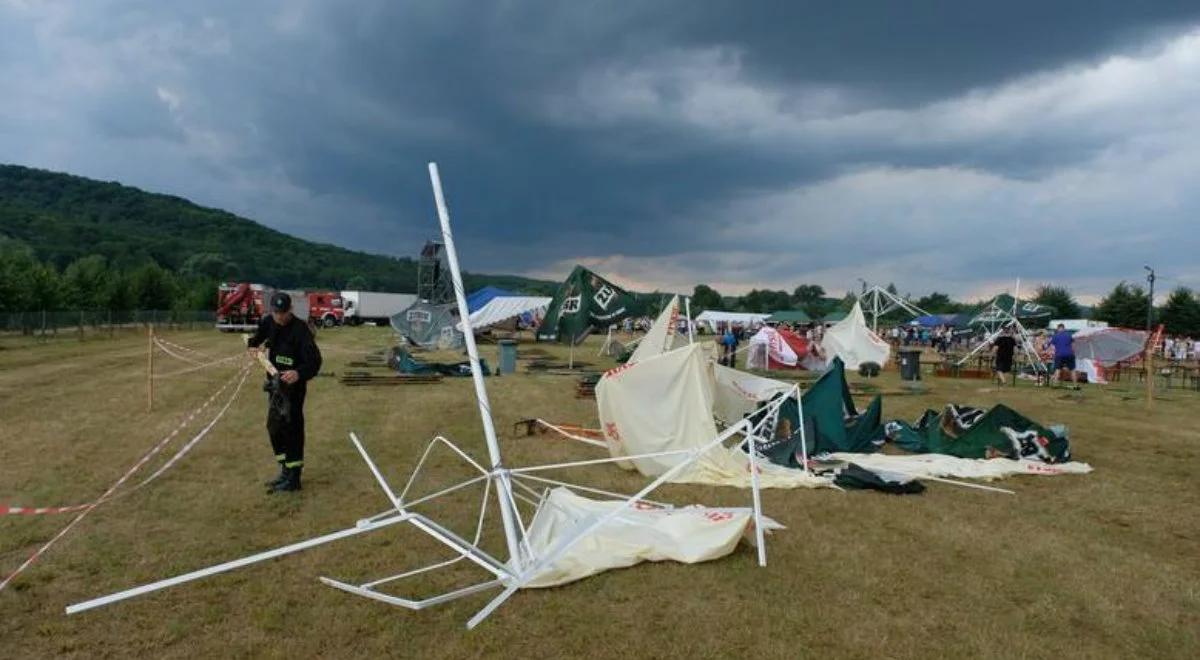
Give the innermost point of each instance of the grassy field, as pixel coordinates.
(1103, 565)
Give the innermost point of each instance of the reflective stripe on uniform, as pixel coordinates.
(293, 464)
(281, 457)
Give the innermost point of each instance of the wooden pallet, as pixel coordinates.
(361, 378)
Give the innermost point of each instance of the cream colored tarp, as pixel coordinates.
(941, 465)
(665, 403)
(738, 393)
(851, 340)
(662, 336)
(689, 535)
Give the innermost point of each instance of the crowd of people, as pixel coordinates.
(941, 338)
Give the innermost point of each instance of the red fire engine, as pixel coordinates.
(241, 305)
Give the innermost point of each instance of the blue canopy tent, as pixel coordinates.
(934, 320)
(479, 298)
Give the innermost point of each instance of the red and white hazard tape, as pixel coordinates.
(85, 509)
(162, 346)
(37, 511)
(185, 349)
(189, 370)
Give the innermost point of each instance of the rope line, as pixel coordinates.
(85, 509)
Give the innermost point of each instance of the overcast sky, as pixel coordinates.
(948, 145)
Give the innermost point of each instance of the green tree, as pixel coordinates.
(938, 303)
(357, 283)
(807, 294)
(152, 287)
(705, 298)
(765, 301)
(1125, 306)
(211, 266)
(118, 293)
(1060, 299)
(85, 282)
(1181, 313)
(45, 287)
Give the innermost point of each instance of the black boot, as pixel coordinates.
(278, 478)
(290, 483)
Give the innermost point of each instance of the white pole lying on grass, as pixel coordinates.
(236, 563)
(503, 487)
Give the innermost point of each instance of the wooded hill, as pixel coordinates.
(63, 218)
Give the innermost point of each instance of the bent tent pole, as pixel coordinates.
(503, 485)
(363, 526)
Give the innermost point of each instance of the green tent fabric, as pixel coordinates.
(968, 432)
(1001, 307)
(789, 316)
(585, 302)
(831, 421)
(405, 363)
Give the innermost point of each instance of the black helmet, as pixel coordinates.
(281, 302)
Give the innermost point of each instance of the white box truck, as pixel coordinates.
(374, 306)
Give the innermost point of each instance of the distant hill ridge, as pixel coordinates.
(63, 217)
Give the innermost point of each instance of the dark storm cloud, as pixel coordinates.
(662, 141)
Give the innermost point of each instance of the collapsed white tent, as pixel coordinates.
(923, 466)
(767, 345)
(663, 335)
(648, 533)
(666, 404)
(504, 308)
(575, 536)
(851, 340)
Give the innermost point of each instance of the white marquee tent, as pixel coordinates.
(504, 308)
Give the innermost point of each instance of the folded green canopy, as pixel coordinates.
(584, 302)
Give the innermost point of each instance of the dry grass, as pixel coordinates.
(1105, 565)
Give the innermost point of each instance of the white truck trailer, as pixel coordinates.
(374, 306)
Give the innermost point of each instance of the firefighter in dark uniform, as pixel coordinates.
(294, 352)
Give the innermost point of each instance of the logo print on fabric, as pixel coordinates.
(610, 430)
(604, 296)
(570, 305)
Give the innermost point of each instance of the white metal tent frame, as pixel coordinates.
(1005, 319)
(878, 301)
(523, 564)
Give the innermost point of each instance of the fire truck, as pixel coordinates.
(241, 305)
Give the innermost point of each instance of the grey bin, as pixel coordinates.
(508, 356)
(910, 365)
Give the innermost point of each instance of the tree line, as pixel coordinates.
(1126, 305)
(94, 283)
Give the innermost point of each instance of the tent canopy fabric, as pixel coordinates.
(967, 432)
(662, 336)
(832, 423)
(583, 303)
(1001, 308)
(935, 320)
(666, 403)
(1108, 346)
(688, 534)
(789, 316)
(502, 308)
(481, 297)
(777, 348)
(429, 325)
(851, 340)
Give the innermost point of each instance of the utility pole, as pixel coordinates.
(1150, 340)
(1150, 310)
